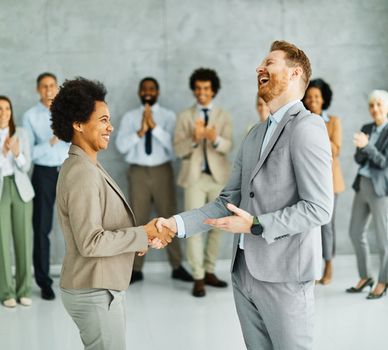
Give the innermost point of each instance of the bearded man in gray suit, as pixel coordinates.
(279, 194)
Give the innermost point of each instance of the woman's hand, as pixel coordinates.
(14, 146)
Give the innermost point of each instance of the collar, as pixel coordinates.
(78, 151)
(325, 116)
(279, 114)
(201, 107)
(42, 106)
(155, 107)
(381, 127)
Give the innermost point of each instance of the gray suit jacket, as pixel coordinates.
(289, 188)
(22, 181)
(377, 157)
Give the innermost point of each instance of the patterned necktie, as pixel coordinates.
(207, 169)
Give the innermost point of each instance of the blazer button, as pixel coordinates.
(251, 194)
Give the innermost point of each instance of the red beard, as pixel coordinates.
(276, 85)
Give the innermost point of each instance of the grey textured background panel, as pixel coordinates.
(121, 41)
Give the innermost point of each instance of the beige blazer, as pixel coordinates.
(335, 135)
(98, 226)
(193, 157)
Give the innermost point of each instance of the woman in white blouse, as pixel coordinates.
(16, 195)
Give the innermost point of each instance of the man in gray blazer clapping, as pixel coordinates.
(279, 194)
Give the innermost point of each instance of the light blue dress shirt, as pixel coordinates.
(132, 146)
(273, 121)
(365, 170)
(37, 123)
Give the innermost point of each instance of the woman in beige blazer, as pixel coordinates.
(317, 99)
(16, 195)
(97, 223)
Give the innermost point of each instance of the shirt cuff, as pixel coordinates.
(181, 226)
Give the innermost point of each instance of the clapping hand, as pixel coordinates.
(199, 131)
(211, 133)
(11, 144)
(360, 140)
(147, 121)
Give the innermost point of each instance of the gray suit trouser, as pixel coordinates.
(99, 315)
(365, 204)
(276, 316)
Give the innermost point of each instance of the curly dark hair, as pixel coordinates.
(75, 102)
(205, 74)
(326, 91)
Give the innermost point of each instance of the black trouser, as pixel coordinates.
(44, 180)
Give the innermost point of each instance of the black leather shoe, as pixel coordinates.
(212, 280)
(368, 283)
(199, 288)
(180, 273)
(136, 276)
(372, 296)
(47, 293)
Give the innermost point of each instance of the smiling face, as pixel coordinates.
(203, 92)
(47, 89)
(148, 92)
(314, 100)
(273, 76)
(378, 110)
(5, 114)
(94, 135)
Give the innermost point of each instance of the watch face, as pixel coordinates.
(257, 230)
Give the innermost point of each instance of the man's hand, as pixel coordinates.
(165, 235)
(149, 116)
(144, 126)
(211, 133)
(241, 222)
(199, 130)
(360, 140)
(170, 224)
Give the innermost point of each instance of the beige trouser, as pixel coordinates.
(99, 315)
(148, 187)
(202, 256)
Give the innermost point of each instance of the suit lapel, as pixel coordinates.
(382, 139)
(294, 110)
(114, 186)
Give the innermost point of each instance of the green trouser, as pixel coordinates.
(15, 219)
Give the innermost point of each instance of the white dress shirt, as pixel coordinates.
(132, 146)
(37, 123)
(6, 161)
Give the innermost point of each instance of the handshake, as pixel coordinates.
(160, 232)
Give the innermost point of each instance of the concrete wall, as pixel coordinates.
(120, 41)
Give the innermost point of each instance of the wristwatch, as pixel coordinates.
(256, 228)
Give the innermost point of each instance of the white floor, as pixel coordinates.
(163, 315)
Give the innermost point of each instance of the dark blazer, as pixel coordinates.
(377, 157)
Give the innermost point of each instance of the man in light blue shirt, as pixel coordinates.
(145, 139)
(47, 154)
